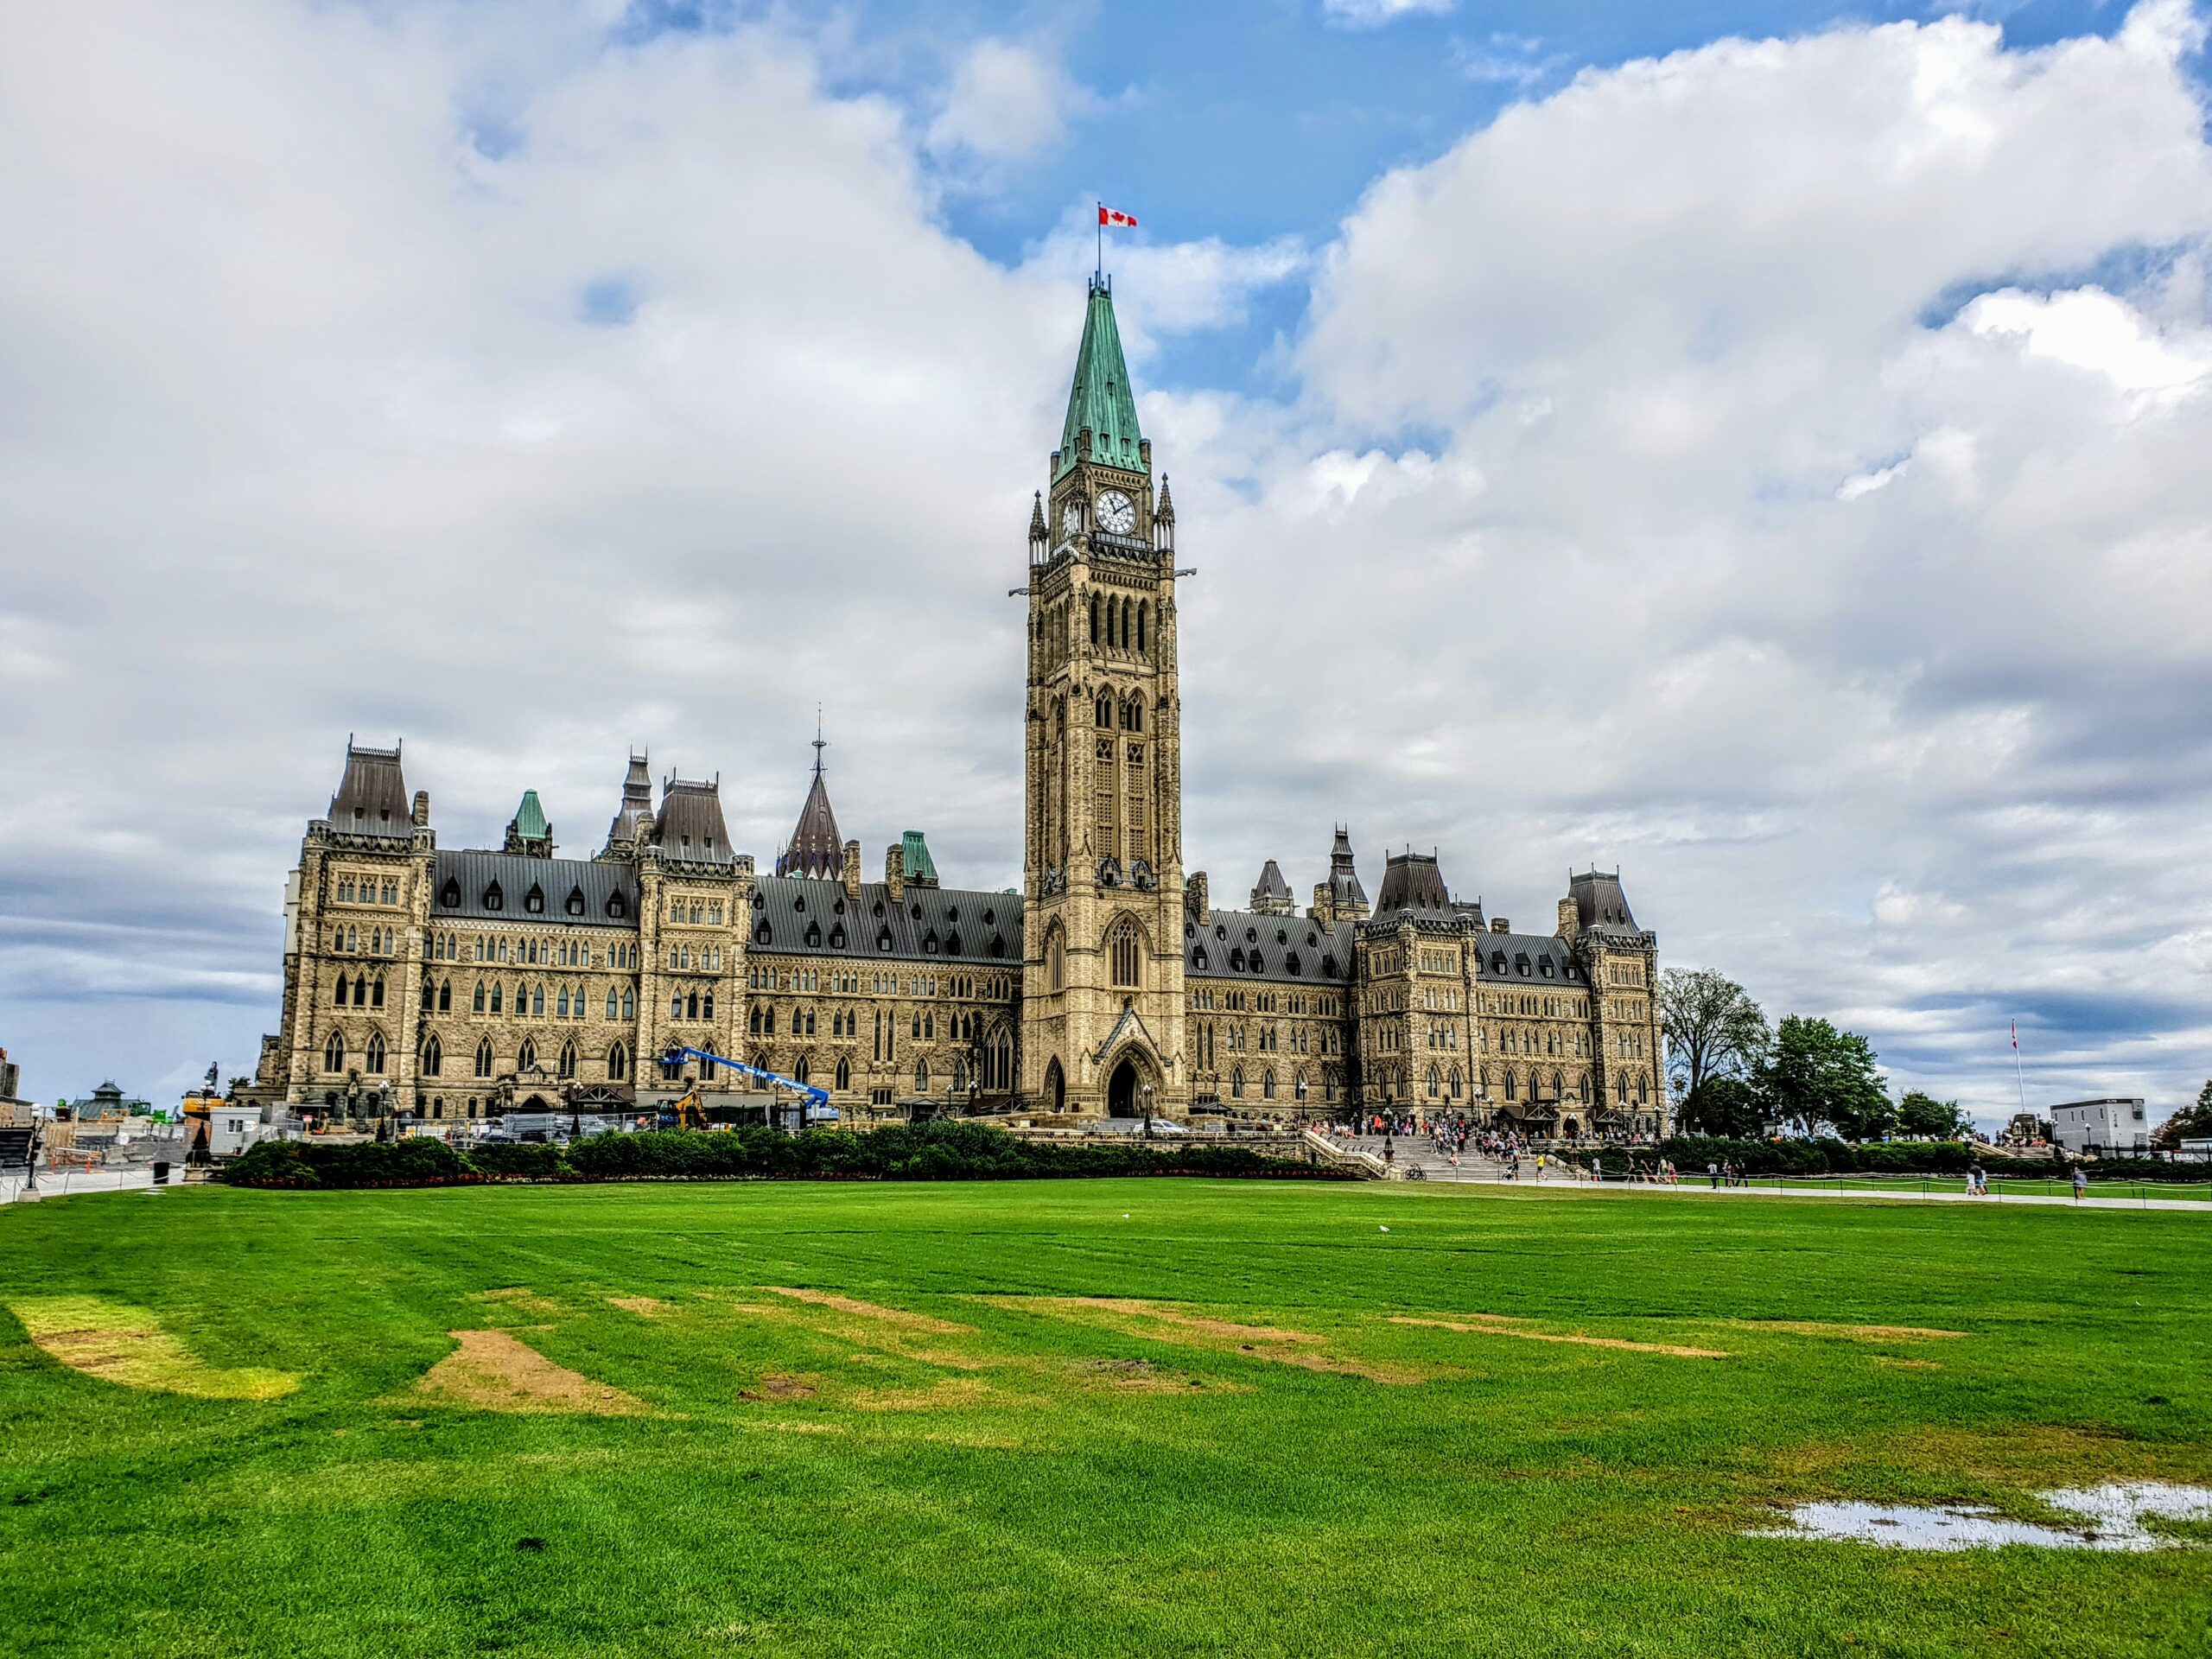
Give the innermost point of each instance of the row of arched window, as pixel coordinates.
(1121, 624)
(1300, 1085)
(434, 1058)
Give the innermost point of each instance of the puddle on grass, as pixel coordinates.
(2111, 1516)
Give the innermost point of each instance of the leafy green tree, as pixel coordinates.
(1922, 1114)
(2190, 1123)
(1820, 1078)
(1712, 1027)
(1729, 1107)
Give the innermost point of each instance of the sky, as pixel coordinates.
(1757, 446)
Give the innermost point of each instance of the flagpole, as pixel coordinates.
(1098, 274)
(2020, 1076)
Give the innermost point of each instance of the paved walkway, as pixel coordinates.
(1408, 1153)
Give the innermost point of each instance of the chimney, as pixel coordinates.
(1194, 897)
(852, 871)
(1499, 924)
(1570, 920)
(1322, 912)
(421, 809)
(895, 871)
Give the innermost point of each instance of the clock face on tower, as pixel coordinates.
(1117, 514)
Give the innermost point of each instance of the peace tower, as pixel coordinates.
(1103, 1005)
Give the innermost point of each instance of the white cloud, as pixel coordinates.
(685, 411)
(1373, 14)
(1007, 102)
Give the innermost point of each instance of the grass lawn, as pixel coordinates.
(1125, 1418)
(1999, 1186)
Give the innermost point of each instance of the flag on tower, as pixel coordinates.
(2016, 1036)
(1116, 216)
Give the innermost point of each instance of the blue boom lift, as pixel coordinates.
(818, 1100)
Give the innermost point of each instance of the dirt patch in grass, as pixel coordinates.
(1897, 1363)
(494, 1370)
(1153, 1322)
(126, 1345)
(649, 1307)
(951, 1394)
(1849, 1332)
(1498, 1324)
(520, 1297)
(777, 1386)
(1254, 1333)
(892, 1316)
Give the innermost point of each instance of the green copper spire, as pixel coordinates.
(530, 818)
(1100, 398)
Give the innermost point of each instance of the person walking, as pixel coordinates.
(2081, 1182)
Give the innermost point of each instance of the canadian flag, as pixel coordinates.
(1116, 216)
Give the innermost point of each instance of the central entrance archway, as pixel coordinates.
(1121, 1090)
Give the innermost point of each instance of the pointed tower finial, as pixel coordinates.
(820, 741)
(1164, 513)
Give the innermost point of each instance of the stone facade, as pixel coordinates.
(461, 984)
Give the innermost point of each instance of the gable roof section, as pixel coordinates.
(1245, 944)
(690, 824)
(807, 917)
(462, 883)
(1538, 960)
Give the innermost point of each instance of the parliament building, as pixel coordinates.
(464, 984)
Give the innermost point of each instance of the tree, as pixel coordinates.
(1922, 1114)
(1820, 1078)
(1712, 1028)
(1727, 1107)
(2191, 1123)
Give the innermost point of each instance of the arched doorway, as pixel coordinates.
(1121, 1089)
(1056, 1087)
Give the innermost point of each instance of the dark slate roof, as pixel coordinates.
(371, 798)
(637, 806)
(1600, 902)
(1243, 944)
(1523, 958)
(808, 917)
(1411, 881)
(460, 884)
(815, 846)
(1271, 884)
(690, 822)
(1343, 879)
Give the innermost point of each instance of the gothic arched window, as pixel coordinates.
(567, 1059)
(1140, 627)
(921, 1076)
(1055, 959)
(618, 1063)
(333, 1053)
(338, 999)
(1094, 619)
(373, 1062)
(433, 1056)
(484, 1057)
(1123, 951)
(844, 1073)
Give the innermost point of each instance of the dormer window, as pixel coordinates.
(493, 899)
(576, 901)
(615, 908)
(534, 900)
(449, 894)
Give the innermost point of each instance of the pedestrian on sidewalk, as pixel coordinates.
(2081, 1182)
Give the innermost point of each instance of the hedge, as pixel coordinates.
(1692, 1153)
(925, 1151)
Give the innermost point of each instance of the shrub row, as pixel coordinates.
(925, 1151)
(1692, 1153)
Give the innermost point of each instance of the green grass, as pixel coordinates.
(1050, 1478)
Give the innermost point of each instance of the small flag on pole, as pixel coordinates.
(2016, 1036)
(1116, 216)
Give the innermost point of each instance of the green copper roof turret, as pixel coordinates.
(914, 854)
(530, 818)
(1100, 398)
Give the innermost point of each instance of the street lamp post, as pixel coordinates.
(1144, 1096)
